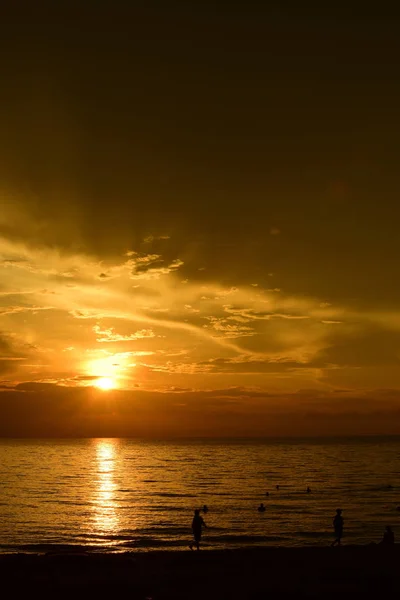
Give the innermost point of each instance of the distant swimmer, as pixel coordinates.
(261, 508)
(308, 490)
(277, 487)
(205, 508)
(338, 527)
(197, 525)
(388, 537)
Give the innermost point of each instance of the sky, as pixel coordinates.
(199, 220)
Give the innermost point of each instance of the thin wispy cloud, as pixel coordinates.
(109, 335)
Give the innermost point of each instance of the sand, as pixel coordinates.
(346, 572)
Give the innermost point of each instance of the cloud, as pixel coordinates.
(226, 330)
(190, 309)
(251, 314)
(108, 335)
(144, 269)
(12, 310)
(223, 293)
(232, 331)
(151, 238)
(87, 314)
(180, 368)
(253, 365)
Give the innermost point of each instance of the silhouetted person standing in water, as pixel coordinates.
(338, 527)
(197, 525)
(388, 537)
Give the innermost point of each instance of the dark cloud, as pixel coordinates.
(159, 128)
(49, 410)
(86, 377)
(366, 348)
(10, 354)
(5, 347)
(37, 387)
(226, 365)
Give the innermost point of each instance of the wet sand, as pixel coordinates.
(346, 572)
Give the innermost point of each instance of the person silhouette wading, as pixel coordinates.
(338, 527)
(197, 525)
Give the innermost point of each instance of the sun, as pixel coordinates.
(104, 383)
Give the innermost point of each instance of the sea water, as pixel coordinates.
(125, 494)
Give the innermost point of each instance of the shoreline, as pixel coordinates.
(76, 550)
(318, 572)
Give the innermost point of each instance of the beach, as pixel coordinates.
(318, 572)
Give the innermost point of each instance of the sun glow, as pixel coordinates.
(105, 383)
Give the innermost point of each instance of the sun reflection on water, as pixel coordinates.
(105, 509)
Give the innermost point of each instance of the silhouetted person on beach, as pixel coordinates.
(267, 493)
(277, 487)
(308, 490)
(261, 508)
(197, 524)
(388, 537)
(205, 508)
(338, 527)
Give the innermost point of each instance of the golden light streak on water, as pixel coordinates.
(105, 509)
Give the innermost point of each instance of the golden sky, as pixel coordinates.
(199, 223)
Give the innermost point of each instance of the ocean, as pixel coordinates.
(125, 494)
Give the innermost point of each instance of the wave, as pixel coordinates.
(148, 542)
(168, 508)
(312, 534)
(42, 548)
(244, 539)
(172, 495)
(154, 542)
